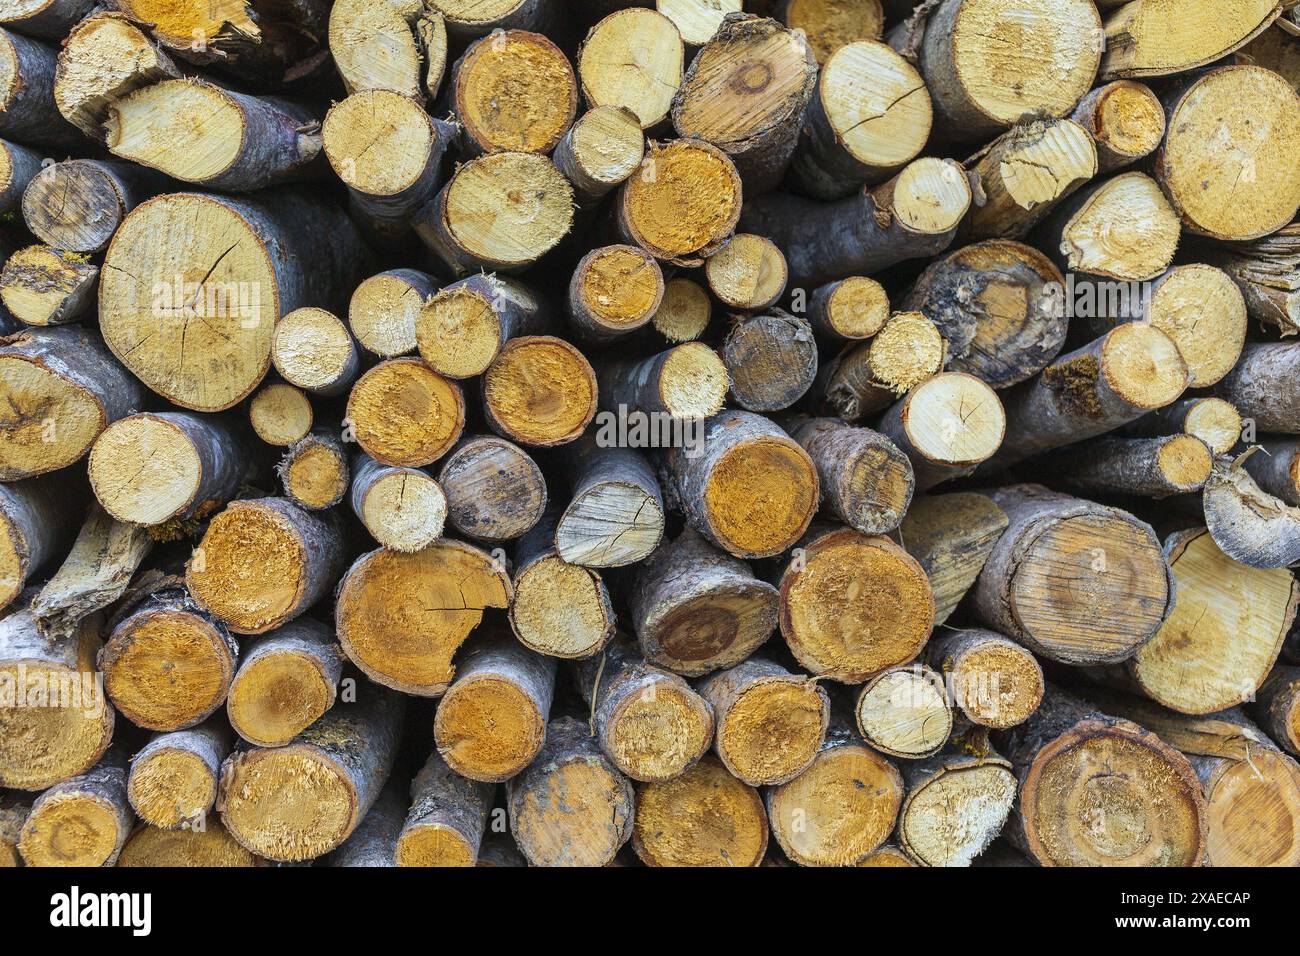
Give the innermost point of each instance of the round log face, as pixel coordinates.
(312, 348)
(705, 817)
(188, 286)
(276, 697)
(1144, 790)
(516, 90)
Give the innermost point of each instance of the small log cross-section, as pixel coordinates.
(839, 810)
(853, 604)
(403, 508)
(1075, 765)
(570, 807)
(705, 817)
(447, 819)
(745, 92)
(383, 310)
(313, 350)
(994, 681)
(494, 490)
(649, 721)
(263, 562)
(947, 426)
(405, 414)
(168, 664)
(1073, 581)
(43, 745)
(905, 712)
(1125, 119)
(460, 328)
(559, 609)
(770, 723)
(988, 63)
(500, 212)
(155, 467)
(771, 359)
(1225, 180)
(83, 821)
(401, 617)
(866, 481)
(696, 609)
(59, 388)
(539, 390)
(750, 488)
(634, 60)
(491, 722)
(684, 203)
(173, 779)
(513, 90)
(302, 800)
(286, 681)
(956, 804)
(614, 290)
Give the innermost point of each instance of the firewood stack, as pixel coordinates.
(692, 432)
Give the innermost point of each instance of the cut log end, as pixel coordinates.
(1223, 179)
(930, 196)
(408, 643)
(697, 20)
(956, 811)
(405, 414)
(495, 491)
(1214, 422)
(1269, 784)
(75, 206)
(1123, 229)
(1141, 364)
(1146, 784)
(383, 309)
(771, 729)
(211, 846)
(145, 469)
(540, 390)
(167, 668)
(840, 810)
(1203, 311)
(855, 308)
(705, 817)
(950, 423)
(74, 828)
(748, 273)
(42, 286)
(767, 525)
(831, 24)
(633, 59)
(839, 592)
(659, 734)
(403, 509)
(515, 91)
(171, 787)
(312, 349)
(262, 562)
(615, 290)
(684, 203)
(602, 149)
(280, 414)
(905, 712)
(561, 609)
(315, 472)
(278, 695)
(684, 312)
(1126, 120)
(994, 681)
(488, 728)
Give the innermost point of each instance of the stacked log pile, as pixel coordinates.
(678, 433)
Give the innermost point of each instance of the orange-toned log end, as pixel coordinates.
(401, 617)
(685, 202)
(167, 667)
(855, 605)
(760, 497)
(211, 846)
(840, 810)
(1145, 790)
(540, 390)
(406, 414)
(705, 817)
